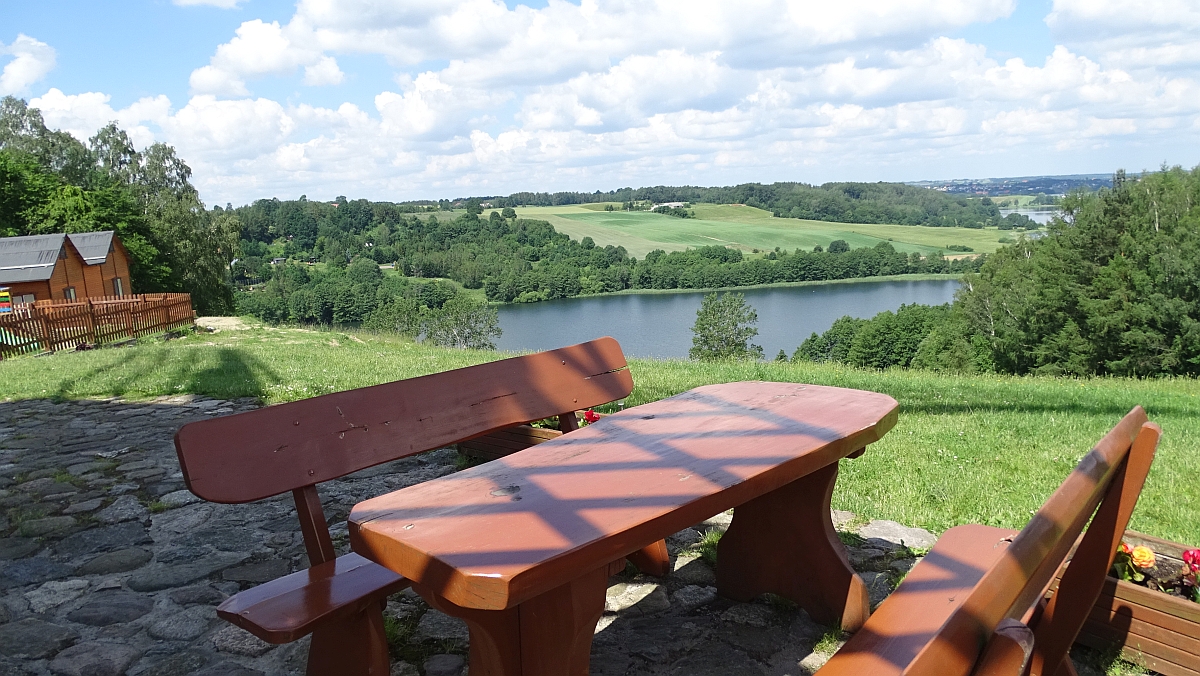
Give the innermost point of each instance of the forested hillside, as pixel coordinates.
(511, 259)
(1113, 289)
(50, 182)
(838, 202)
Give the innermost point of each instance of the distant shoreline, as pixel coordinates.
(920, 277)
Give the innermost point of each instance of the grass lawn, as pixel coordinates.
(745, 228)
(979, 449)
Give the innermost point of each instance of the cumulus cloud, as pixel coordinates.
(32, 60)
(222, 4)
(487, 99)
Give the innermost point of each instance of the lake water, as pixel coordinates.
(1040, 216)
(660, 324)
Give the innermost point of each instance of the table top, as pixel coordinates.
(494, 535)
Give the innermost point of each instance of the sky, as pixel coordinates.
(429, 99)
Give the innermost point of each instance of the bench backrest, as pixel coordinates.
(294, 446)
(1106, 483)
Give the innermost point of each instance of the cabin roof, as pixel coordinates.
(92, 246)
(29, 259)
(32, 258)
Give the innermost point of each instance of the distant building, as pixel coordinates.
(64, 267)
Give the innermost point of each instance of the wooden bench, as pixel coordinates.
(295, 446)
(522, 548)
(976, 604)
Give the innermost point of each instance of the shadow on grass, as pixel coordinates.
(225, 373)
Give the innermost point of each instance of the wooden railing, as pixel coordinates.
(48, 326)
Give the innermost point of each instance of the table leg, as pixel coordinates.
(784, 543)
(547, 635)
(653, 559)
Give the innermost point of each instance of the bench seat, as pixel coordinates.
(287, 608)
(918, 609)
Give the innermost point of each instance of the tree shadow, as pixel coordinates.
(232, 374)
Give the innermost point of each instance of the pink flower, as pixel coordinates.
(1191, 558)
(591, 416)
(1124, 549)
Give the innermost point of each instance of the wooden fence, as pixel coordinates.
(48, 326)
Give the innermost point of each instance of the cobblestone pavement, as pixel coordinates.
(109, 566)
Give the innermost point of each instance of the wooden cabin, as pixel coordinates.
(64, 266)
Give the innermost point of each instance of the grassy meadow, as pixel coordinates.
(967, 449)
(745, 228)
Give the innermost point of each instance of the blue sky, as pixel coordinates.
(443, 98)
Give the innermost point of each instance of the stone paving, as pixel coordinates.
(109, 566)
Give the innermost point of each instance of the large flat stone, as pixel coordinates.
(119, 561)
(94, 659)
(49, 525)
(636, 599)
(124, 508)
(31, 571)
(158, 576)
(104, 539)
(16, 548)
(184, 625)
(238, 641)
(437, 626)
(261, 571)
(228, 669)
(895, 534)
(55, 593)
(112, 607)
(34, 639)
(184, 662)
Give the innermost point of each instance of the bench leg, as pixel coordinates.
(548, 635)
(784, 543)
(353, 646)
(653, 559)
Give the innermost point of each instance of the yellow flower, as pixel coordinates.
(1142, 557)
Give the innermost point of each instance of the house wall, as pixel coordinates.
(68, 273)
(40, 290)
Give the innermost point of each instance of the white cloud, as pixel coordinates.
(32, 60)
(221, 4)
(487, 99)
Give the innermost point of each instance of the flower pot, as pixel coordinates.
(1153, 629)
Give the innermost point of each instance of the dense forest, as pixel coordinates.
(1113, 289)
(838, 202)
(50, 182)
(511, 259)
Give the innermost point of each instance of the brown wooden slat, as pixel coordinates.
(1160, 657)
(1144, 622)
(944, 633)
(287, 608)
(314, 440)
(604, 491)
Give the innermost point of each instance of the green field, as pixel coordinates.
(981, 449)
(745, 228)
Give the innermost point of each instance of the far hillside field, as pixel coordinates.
(745, 228)
(967, 449)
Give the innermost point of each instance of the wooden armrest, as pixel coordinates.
(283, 610)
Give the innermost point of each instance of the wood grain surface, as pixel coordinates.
(495, 535)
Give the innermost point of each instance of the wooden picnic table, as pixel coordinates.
(522, 547)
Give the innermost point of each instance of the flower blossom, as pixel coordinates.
(1142, 557)
(591, 416)
(1191, 559)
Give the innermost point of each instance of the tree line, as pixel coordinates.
(51, 182)
(838, 202)
(1114, 289)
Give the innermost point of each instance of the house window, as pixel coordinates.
(26, 299)
(118, 289)
(69, 293)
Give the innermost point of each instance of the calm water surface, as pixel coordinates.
(1040, 216)
(660, 324)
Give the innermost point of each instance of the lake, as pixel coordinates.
(1039, 216)
(660, 324)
